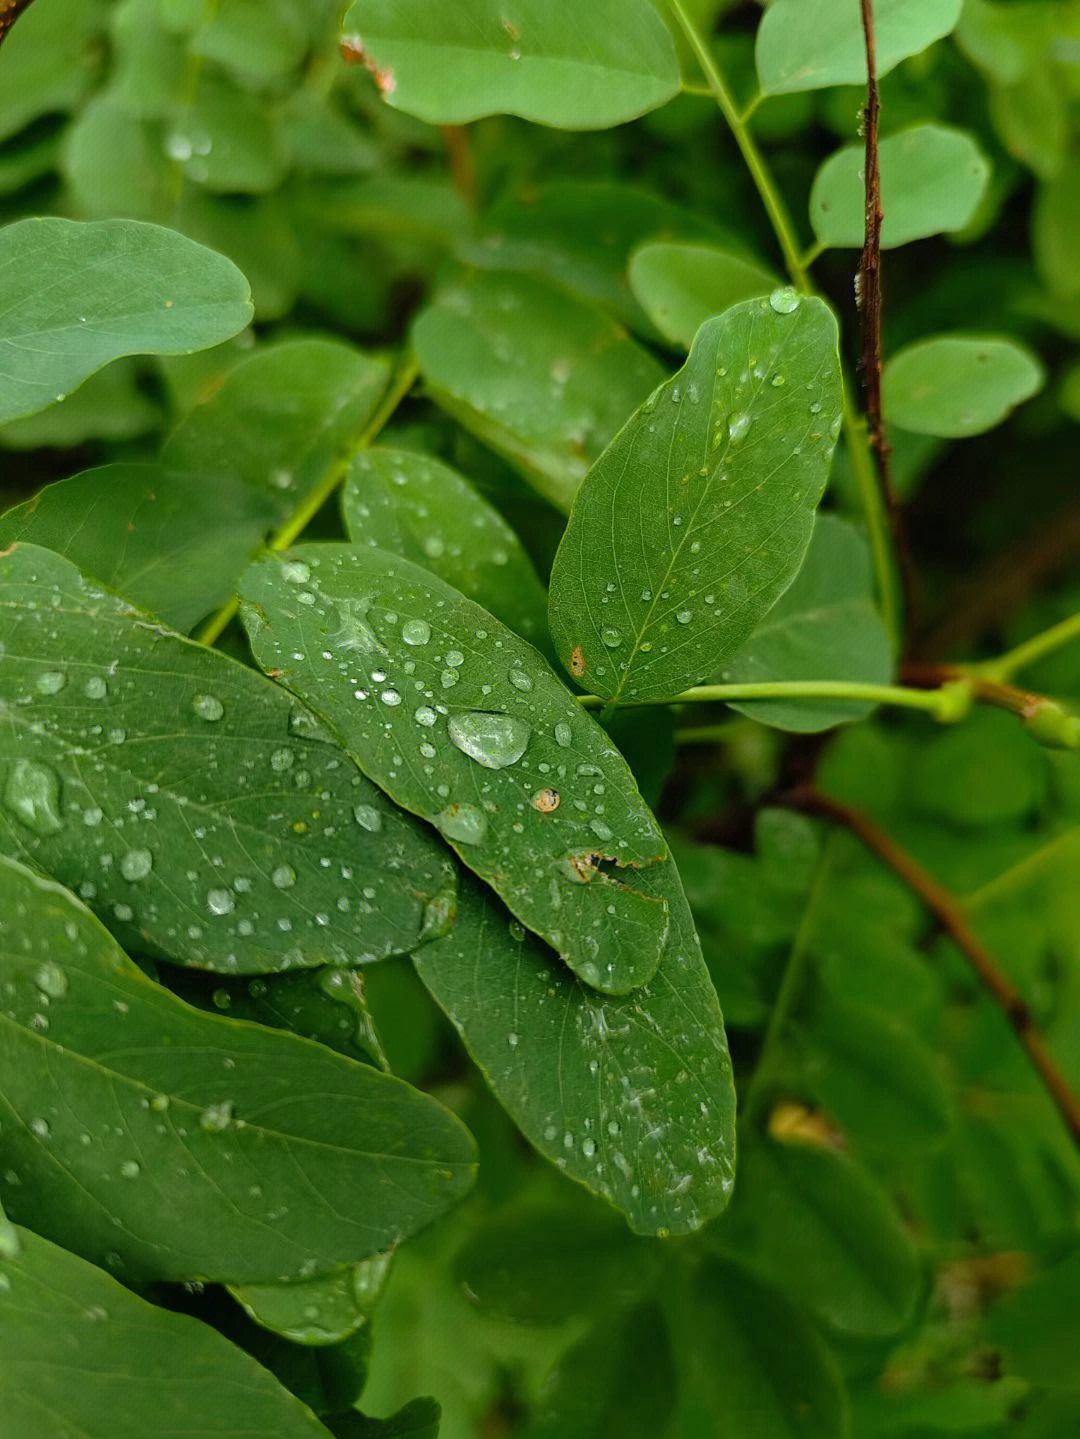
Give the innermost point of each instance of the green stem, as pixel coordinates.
(1014, 660)
(873, 502)
(948, 703)
(400, 384)
(708, 733)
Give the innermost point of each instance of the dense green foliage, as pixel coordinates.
(454, 642)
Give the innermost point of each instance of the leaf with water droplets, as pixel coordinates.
(415, 506)
(80, 1350)
(473, 732)
(172, 536)
(537, 375)
(630, 1096)
(124, 1112)
(827, 626)
(201, 814)
(79, 294)
(579, 69)
(697, 516)
(325, 1310)
(959, 385)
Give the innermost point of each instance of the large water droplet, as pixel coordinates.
(738, 425)
(684, 616)
(416, 632)
(785, 301)
(462, 822)
(130, 1169)
(368, 817)
(519, 679)
(296, 572)
(283, 877)
(33, 796)
(611, 637)
(216, 1117)
(51, 979)
(208, 707)
(51, 682)
(492, 740)
(136, 864)
(564, 735)
(220, 901)
(95, 688)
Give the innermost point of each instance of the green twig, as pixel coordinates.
(948, 703)
(1044, 643)
(400, 385)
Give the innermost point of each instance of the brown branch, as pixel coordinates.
(10, 10)
(949, 914)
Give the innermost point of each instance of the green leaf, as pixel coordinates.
(415, 506)
(697, 517)
(754, 1367)
(50, 60)
(817, 1224)
(419, 1419)
(631, 1097)
(81, 1351)
(321, 1311)
(1055, 226)
(538, 376)
(933, 180)
(77, 295)
(958, 385)
(173, 537)
(110, 405)
(681, 286)
(826, 626)
(126, 1113)
(1038, 1327)
(463, 723)
(576, 69)
(811, 44)
(196, 808)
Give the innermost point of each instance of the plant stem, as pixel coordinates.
(948, 703)
(401, 383)
(874, 509)
(1007, 665)
(950, 915)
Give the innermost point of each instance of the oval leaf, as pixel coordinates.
(681, 286)
(958, 385)
(201, 813)
(810, 44)
(415, 506)
(576, 68)
(77, 295)
(697, 517)
(933, 179)
(464, 724)
(826, 626)
(127, 1115)
(631, 1097)
(321, 1311)
(80, 1350)
(537, 375)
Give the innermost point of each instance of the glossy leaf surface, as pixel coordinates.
(464, 724)
(199, 810)
(680, 286)
(957, 385)
(412, 505)
(83, 1355)
(631, 1096)
(77, 295)
(126, 1113)
(933, 179)
(578, 69)
(698, 515)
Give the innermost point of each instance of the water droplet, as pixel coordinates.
(296, 572)
(519, 679)
(368, 817)
(40, 1128)
(492, 740)
(283, 877)
(455, 659)
(738, 426)
(785, 301)
(136, 864)
(684, 616)
(220, 901)
(208, 707)
(33, 796)
(95, 688)
(390, 697)
(282, 759)
(600, 829)
(130, 1169)
(216, 1117)
(416, 632)
(433, 547)
(51, 682)
(425, 716)
(611, 637)
(462, 822)
(51, 979)
(588, 1148)
(564, 735)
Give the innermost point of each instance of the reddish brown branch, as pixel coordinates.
(10, 10)
(954, 922)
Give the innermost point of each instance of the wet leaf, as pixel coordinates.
(200, 812)
(681, 286)
(537, 375)
(631, 1096)
(321, 1311)
(933, 179)
(123, 1361)
(825, 627)
(577, 69)
(957, 385)
(464, 724)
(415, 506)
(811, 44)
(697, 517)
(126, 1112)
(77, 295)
(173, 536)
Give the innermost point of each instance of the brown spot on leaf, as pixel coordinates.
(577, 661)
(353, 53)
(546, 800)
